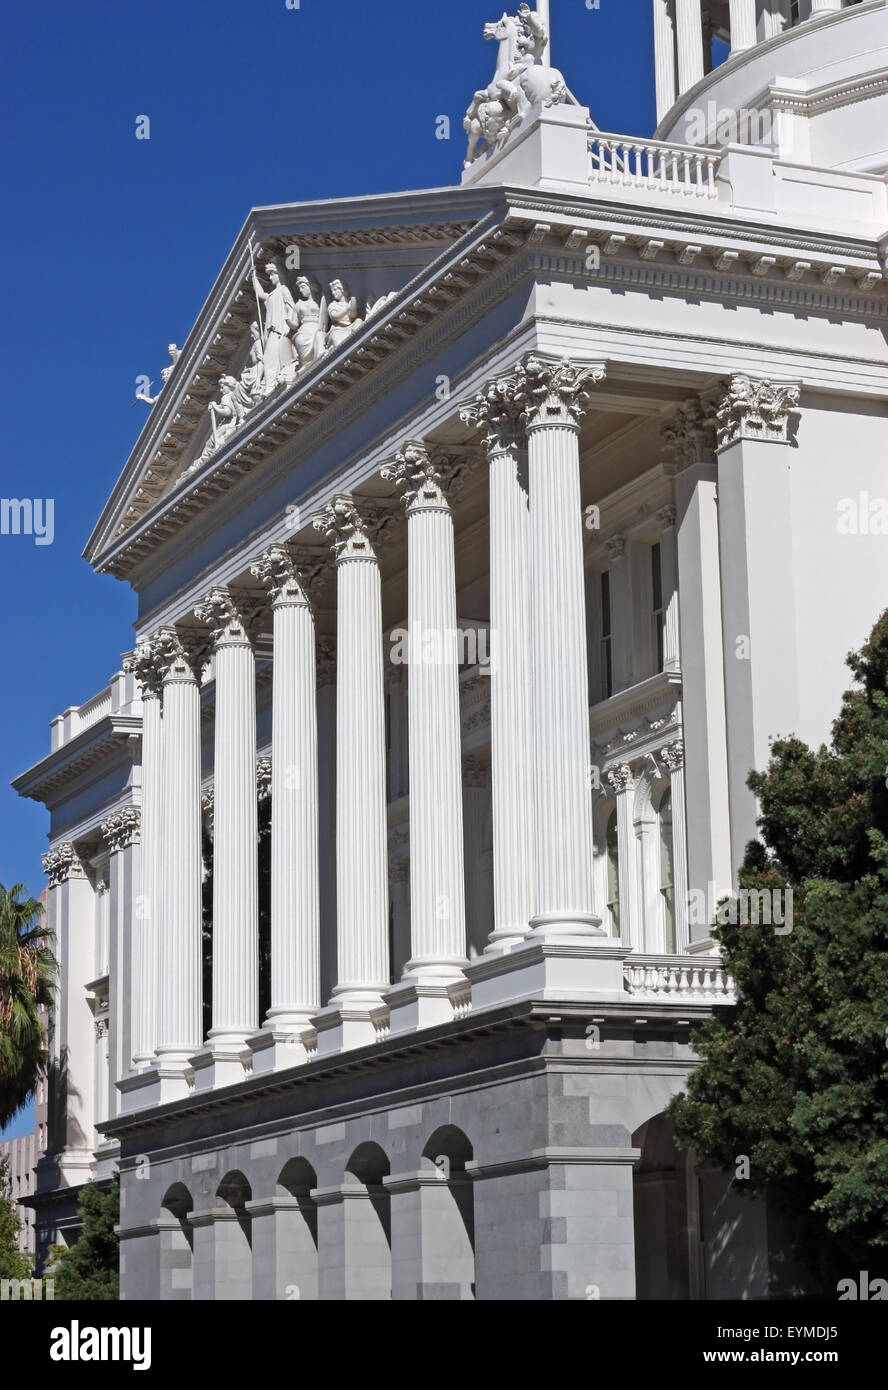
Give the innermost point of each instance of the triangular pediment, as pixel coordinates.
(340, 269)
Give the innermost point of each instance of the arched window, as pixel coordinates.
(613, 874)
(667, 876)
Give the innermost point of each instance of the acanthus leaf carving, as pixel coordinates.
(756, 409)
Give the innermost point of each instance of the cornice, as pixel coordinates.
(827, 97)
(301, 414)
(99, 742)
(161, 452)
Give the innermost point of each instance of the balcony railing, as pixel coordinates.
(688, 170)
(677, 977)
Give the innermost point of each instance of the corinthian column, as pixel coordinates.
(689, 25)
(358, 1008)
(145, 664)
(437, 885)
(561, 749)
(290, 576)
(755, 535)
(499, 411)
(180, 1028)
(742, 22)
(229, 614)
(664, 56)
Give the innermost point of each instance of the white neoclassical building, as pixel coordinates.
(482, 538)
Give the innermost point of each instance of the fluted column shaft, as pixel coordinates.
(623, 786)
(664, 57)
(235, 826)
(742, 21)
(561, 747)
(673, 760)
(146, 664)
(295, 891)
(498, 411)
(823, 6)
(147, 924)
(437, 885)
(689, 25)
(180, 1024)
(361, 829)
(669, 587)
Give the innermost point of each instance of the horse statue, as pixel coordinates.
(520, 82)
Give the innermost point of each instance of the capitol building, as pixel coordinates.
(483, 537)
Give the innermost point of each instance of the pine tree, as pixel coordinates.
(796, 1077)
(88, 1269)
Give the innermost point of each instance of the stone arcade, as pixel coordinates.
(374, 997)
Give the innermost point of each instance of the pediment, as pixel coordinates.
(340, 269)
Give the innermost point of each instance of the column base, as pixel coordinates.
(428, 995)
(226, 1060)
(175, 1076)
(567, 927)
(550, 971)
(355, 1018)
(286, 1039)
(505, 939)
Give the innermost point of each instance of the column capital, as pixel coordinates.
(666, 516)
(182, 653)
(121, 828)
(291, 574)
(621, 778)
(499, 410)
(61, 863)
(558, 392)
(753, 408)
(427, 478)
(672, 756)
(690, 434)
(146, 665)
(230, 614)
(615, 548)
(353, 528)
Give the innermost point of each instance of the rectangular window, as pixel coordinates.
(657, 605)
(607, 674)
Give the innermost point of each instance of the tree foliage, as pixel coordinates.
(88, 1269)
(27, 972)
(13, 1264)
(796, 1077)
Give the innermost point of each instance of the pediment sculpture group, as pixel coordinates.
(295, 331)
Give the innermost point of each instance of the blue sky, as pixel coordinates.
(111, 244)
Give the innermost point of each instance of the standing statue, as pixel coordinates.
(308, 338)
(342, 313)
(279, 357)
(520, 82)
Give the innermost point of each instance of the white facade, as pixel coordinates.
(526, 517)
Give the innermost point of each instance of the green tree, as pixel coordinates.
(13, 1264)
(27, 971)
(796, 1076)
(88, 1269)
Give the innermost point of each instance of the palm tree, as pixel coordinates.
(27, 973)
